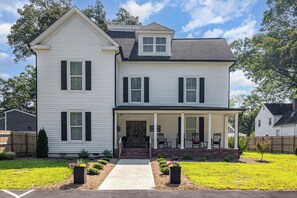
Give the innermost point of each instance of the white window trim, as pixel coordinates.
(196, 129)
(185, 89)
(69, 127)
(142, 89)
(153, 44)
(154, 53)
(83, 75)
(160, 44)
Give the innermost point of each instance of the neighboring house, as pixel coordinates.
(135, 81)
(277, 119)
(16, 120)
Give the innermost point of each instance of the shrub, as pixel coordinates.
(93, 171)
(228, 158)
(102, 162)
(187, 156)
(262, 145)
(162, 163)
(105, 159)
(231, 142)
(175, 158)
(161, 159)
(84, 154)
(243, 144)
(107, 154)
(162, 155)
(7, 155)
(98, 166)
(165, 170)
(42, 144)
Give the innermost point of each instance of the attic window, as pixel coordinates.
(148, 44)
(160, 44)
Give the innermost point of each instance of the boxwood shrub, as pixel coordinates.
(98, 166)
(104, 162)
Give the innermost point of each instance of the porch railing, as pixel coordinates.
(120, 147)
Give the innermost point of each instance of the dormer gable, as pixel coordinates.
(154, 40)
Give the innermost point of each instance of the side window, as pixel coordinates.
(148, 44)
(269, 121)
(76, 125)
(76, 76)
(259, 123)
(136, 92)
(191, 89)
(160, 44)
(277, 132)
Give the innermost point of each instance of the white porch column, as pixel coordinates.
(115, 130)
(236, 132)
(155, 130)
(209, 132)
(182, 131)
(226, 131)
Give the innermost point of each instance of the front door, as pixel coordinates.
(136, 133)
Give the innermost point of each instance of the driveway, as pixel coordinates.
(149, 193)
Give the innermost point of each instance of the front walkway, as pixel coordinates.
(130, 174)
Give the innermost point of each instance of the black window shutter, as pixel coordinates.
(202, 90)
(125, 89)
(64, 126)
(201, 129)
(88, 126)
(64, 75)
(180, 90)
(88, 75)
(146, 89)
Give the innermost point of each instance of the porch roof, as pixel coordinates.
(175, 108)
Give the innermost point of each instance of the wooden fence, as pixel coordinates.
(279, 144)
(22, 143)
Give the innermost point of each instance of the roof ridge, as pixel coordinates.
(198, 39)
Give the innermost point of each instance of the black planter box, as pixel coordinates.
(175, 175)
(80, 175)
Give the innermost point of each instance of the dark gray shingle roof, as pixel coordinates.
(182, 49)
(155, 27)
(279, 108)
(290, 117)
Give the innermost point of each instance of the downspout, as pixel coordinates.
(115, 100)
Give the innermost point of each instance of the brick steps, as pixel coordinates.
(135, 153)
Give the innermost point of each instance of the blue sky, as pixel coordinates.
(231, 19)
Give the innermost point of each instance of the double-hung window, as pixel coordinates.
(160, 44)
(136, 93)
(148, 44)
(191, 127)
(76, 75)
(191, 90)
(76, 125)
(269, 121)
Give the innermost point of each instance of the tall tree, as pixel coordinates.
(123, 17)
(97, 14)
(269, 58)
(19, 92)
(35, 18)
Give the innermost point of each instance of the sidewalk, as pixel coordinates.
(130, 174)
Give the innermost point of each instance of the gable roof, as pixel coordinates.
(278, 108)
(63, 19)
(206, 49)
(8, 111)
(155, 27)
(290, 117)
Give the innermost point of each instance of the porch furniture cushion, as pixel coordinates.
(216, 139)
(195, 140)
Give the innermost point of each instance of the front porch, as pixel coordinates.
(164, 128)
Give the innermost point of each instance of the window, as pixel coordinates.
(269, 121)
(148, 44)
(191, 127)
(277, 132)
(76, 76)
(160, 44)
(76, 125)
(191, 89)
(136, 89)
(259, 123)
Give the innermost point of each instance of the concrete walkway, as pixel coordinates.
(130, 174)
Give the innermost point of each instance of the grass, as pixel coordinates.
(279, 174)
(25, 174)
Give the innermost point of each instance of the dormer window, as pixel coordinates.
(160, 44)
(154, 45)
(148, 44)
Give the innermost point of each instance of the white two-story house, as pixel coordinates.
(137, 82)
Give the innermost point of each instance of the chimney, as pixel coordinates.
(295, 104)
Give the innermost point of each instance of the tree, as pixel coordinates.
(42, 144)
(19, 92)
(123, 17)
(97, 14)
(35, 18)
(262, 145)
(269, 58)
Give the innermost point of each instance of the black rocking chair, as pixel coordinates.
(216, 140)
(161, 141)
(195, 140)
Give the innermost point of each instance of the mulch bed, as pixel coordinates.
(162, 182)
(93, 181)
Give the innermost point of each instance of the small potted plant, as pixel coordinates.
(79, 171)
(175, 172)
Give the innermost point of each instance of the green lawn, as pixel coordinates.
(25, 174)
(280, 174)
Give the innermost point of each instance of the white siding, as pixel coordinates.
(163, 79)
(265, 128)
(287, 130)
(76, 41)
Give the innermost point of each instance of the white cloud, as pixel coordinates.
(11, 6)
(145, 10)
(4, 31)
(4, 76)
(238, 79)
(4, 59)
(215, 33)
(205, 12)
